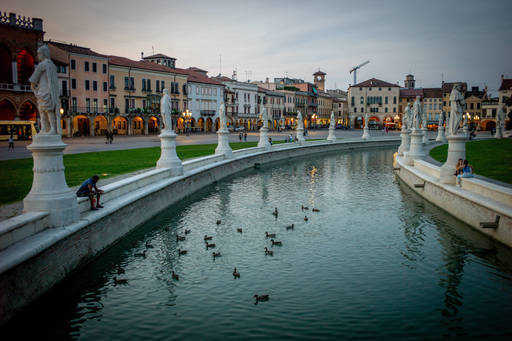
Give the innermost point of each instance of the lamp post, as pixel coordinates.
(186, 117)
(314, 117)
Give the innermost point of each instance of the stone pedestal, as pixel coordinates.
(168, 157)
(499, 132)
(366, 133)
(456, 151)
(223, 147)
(300, 135)
(263, 142)
(424, 138)
(49, 190)
(465, 130)
(331, 137)
(404, 145)
(440, 134)
(416, 150)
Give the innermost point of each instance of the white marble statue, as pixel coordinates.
(222, 117)
(441, 120)
(166, 110)
(299, 120)
(45, 83)
(332, 121)
(500, 117)
(456, 111)
(264, 117)
(407, 117)
(366, 121)
(416, 114)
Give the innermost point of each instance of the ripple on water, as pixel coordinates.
(377, 261)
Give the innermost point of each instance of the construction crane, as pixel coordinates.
(355, 68)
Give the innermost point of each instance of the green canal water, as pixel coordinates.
(377, 261)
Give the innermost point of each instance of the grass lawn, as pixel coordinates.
(490, 158)
(17, 174)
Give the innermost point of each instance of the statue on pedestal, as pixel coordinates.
(264, 117)
(457, 103)
(416, 114)
(366, 121)
(440, 122)
(45, 84)
(406, 122)
(332, 127)
(222, 117)
(166, 110)
(332, 121)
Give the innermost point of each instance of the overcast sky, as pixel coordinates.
(461, 40)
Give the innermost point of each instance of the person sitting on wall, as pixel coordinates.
(89, 189)
(466, 172)
(458, 167)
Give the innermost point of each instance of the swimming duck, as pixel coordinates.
(182, 252)
(174, 276)
(290, 227)
(120, 280)
(304, 208)
(276, 212)
(236, 274)
(306, 218)
(180, 238)
(261, 298)
(274, 242)
(268, 252)
(218, 222)
(216, 254)
(270, 235)
(207, 238)
(239, 230)
(148, 245)
(141, 254)
(209, 245)
(187, 231)
(315, 210)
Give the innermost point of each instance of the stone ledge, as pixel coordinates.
(20, 227)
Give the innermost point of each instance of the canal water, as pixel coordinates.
(376, 261)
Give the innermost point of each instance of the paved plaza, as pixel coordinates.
(94, 144)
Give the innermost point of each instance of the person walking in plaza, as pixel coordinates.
(245, 137)
(89, 189)
(11, 143)
(240, 136)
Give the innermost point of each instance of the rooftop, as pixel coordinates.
(158, 55)
(71, 48)
(506, 84)
(374, 82)
(122, 61)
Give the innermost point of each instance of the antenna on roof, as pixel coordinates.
(153, 48)
(220, 63)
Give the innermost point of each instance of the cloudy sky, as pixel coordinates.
(461, 40)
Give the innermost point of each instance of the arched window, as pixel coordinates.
(5, 65)
(25, 64)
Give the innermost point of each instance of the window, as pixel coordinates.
(148, 83)
(104, 86)
(105, 105)
(362, 110)
(87, 85)
(64, 88)
(394, 109)
(73, 83)
(386, 109)
(162, 83)
(104, 68)
(355, 109)
(197, 90)
(73, 64)
(112, 82)
(73, 104)
(386, 100)
(88, 104)
(157, 86)
(86, 66)
(389, 89)
(95, 85)
(394, 100)
(143, 84)
(94, 67)
(112, 103)
(380, 89)
(352, 101)
(95, 105)
(362, 100)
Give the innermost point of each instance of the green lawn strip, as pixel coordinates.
(490, 158)
(18, 175)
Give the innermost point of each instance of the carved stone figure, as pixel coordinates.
(222, 117)
(331, 123)
(500, 117)
(166, 110)
(299, 120)
(456, 111)
(441, 120)
(45, 84)
(416, 113)
(366, 121)
(407, 117)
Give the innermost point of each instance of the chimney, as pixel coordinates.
(266, 80)
(142, 55)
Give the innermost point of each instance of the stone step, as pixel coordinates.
(22, 226)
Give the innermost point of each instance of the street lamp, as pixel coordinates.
(314, 120)
(186, 117)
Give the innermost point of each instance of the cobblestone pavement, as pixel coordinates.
(95, 144)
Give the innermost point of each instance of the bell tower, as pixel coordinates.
(409, 82)
(319, 80)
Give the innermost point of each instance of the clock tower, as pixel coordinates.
(319, 80)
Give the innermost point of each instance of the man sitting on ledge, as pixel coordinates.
(89, 189)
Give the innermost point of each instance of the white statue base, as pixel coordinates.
(404, 145)
(168, 157)
(49, 190)
(416, 150)
(424, 131)
(441, 137)
(331, 137)
(223, 147)
(366, 133)
(465, 131)
(263, 142)
(456, 151)
(300, 135)
(499, 132)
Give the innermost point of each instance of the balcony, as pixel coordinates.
(129, 88)
(147, 90)
(207, 112)
(112, 87)
(86, 110)
(15, 87)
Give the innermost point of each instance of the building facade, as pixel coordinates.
(377, 98)
(19, 40)
(505, 99)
